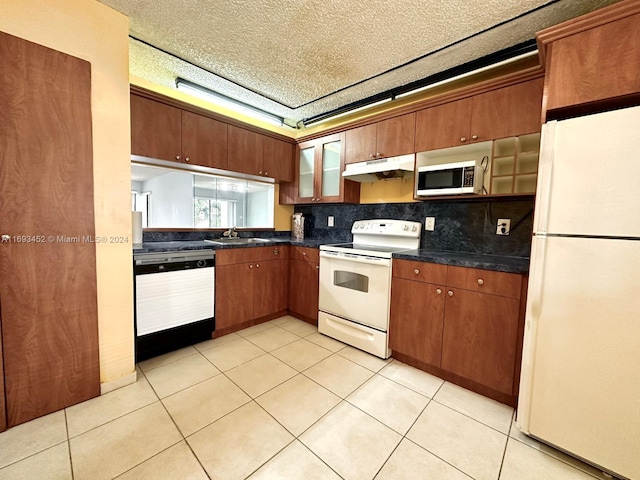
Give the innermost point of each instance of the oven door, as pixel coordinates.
(356, 288)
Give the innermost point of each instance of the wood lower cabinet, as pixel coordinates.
(480, 338)
(48, 292)
(251, 286)
(304, 269)
(463, 324)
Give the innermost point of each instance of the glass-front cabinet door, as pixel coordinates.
(306, 175)
(331, 168)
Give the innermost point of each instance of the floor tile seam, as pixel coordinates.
(309, 341)
(186, 437)
(217, 346)
(57, 444)
(360, 365)
(168, 363)
(440, 458)
(270, 458)
(380, 421)
(336, 394)
(185, 388)
(388, 458)
(268, 390)
(66, 424)
(299, 437)
(149, 458)
(504, 454)
(556, 458)
(407, 387)
(257, 331)
(306, 368)
(319, 458)
(269, 351)
(470, 417)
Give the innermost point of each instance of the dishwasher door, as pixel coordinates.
(174, 300)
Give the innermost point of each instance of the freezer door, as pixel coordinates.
(588, 175)
(580, 380)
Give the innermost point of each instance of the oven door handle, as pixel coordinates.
(381, 262)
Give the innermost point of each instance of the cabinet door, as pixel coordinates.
(234, 294)
(507, 112)
(3, 409)
(156, 130)
(443, 126)
(47, 289)
(329, 158)
(596, 64)
(270, 283)
(306, 172)
(396, 136)
(360, 143)
(303, 288)
(480, 337)
(417, 313)
(204, 141)
(277, 159)
(245, 151)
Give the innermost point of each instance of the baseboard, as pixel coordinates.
(123, 381)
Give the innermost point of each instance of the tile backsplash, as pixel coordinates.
(462, 226)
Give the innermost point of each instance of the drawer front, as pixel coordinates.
(485, 281)
(420, 271)
(305, 254)
(232, 256)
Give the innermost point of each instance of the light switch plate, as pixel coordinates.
(330, 221)
(429, 223)
(504, 226)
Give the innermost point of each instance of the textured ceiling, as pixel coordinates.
(302, 58)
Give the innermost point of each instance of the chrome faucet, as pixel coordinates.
(231, 233)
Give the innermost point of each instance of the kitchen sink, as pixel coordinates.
(237, 241)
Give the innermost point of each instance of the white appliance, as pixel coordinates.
(450, 179)
(380, 169)
(580, 383)
(355, 283)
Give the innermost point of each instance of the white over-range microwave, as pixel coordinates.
(450, 179)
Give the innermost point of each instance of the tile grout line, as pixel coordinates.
(66, 426)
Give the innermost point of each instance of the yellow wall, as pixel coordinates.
(98, 34)
(282, 213)
(387, 191)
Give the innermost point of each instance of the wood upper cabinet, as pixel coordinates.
(480, 338)
(304, 283)
(250, 283)
(504, 112)
(388, 138)
(318, 177)
(256, 154)
(277, 160)
(156, 129)
(593, 60)
(204, 141)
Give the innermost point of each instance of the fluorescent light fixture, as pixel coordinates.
(348, 112)
(468, 74)
(227, 102)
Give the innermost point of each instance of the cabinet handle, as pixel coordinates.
(438, 291)
(450, 293)
(257, 265)
(276, 252)
(318, 267)
(186, 159)
(378, 154)
(178, 157)
(474, 137)
(304, 253)
(265, 173)
(260, 172)
(416, 271)
(371, 155)
(480, 281)
(463, 139)
(250, 266)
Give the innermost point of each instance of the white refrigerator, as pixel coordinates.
(580, 381)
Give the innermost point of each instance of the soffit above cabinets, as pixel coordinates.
(300, 59)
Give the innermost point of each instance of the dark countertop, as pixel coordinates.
(500, 263)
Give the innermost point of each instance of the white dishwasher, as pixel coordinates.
(175, 300)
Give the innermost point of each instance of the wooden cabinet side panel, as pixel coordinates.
(396, 135)
(47, 289)
(234, 295)
(360, 143)
(415, 325)
(480, 336)
(204, 141)
(3, 406)
(244, 150)
(278, 159)
(304, 288)
(508, 111)
(443, 126)
(596, 64)
(155, 129)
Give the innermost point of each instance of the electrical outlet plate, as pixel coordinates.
(504, 226)
(429, 223)
(330, 221)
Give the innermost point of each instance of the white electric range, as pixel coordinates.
(355, 283)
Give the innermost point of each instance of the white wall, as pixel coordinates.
(171, 200)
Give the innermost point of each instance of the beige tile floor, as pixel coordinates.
(281, 401)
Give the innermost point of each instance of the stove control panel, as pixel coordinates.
(400, 228)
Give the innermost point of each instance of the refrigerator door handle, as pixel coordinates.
(545, 176)
(532, 315)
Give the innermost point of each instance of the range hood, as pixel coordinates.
(380, 169)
